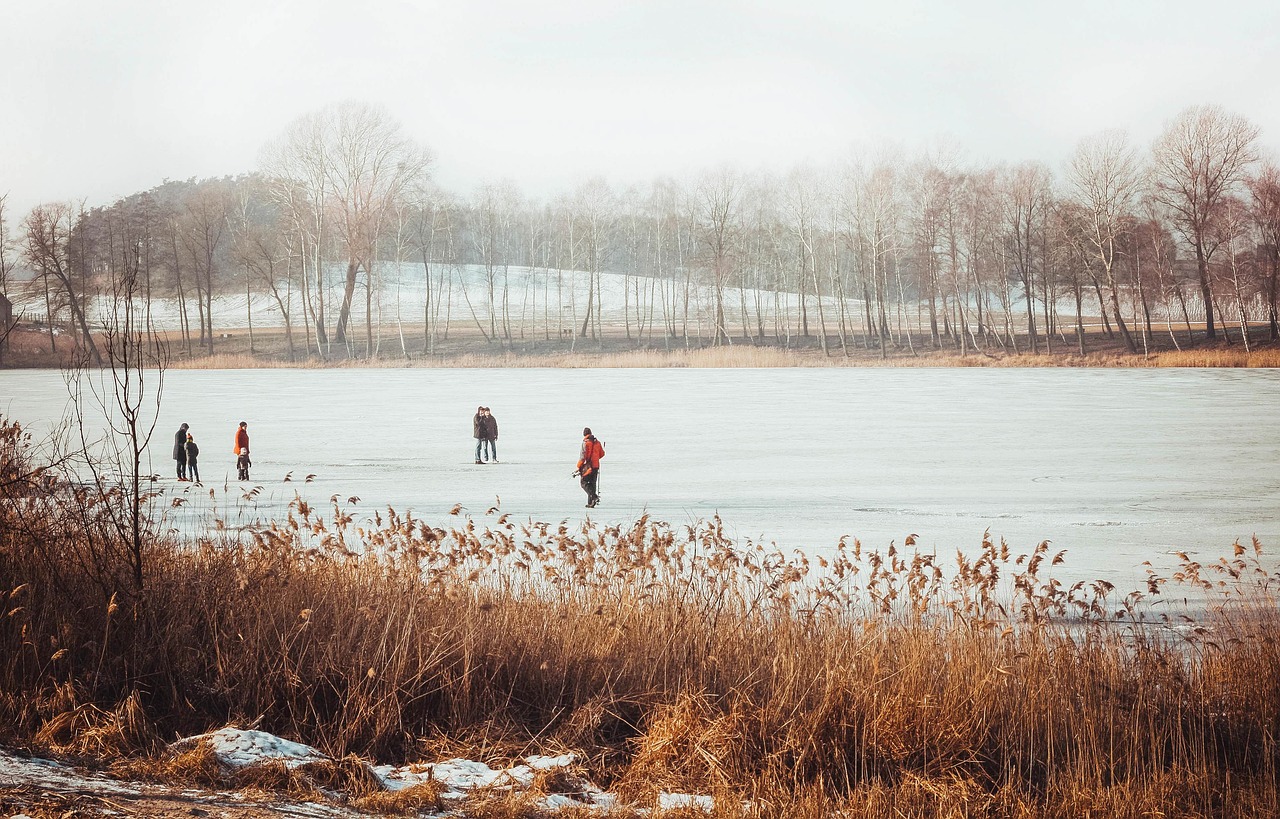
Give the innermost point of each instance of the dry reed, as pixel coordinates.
(749, 356)
(878, 683)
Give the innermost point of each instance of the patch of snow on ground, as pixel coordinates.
(464, 774)
(45, 773)
(239, 748)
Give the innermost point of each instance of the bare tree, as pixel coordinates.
(259, 246)
(297, 164)
(594, 218)
(801, 212)
(1231, 229)
(124, 387)
(1265, 208)
(1026, 192)
(203, 224)
(1201, 157)
(48, 230)
(1105, 179)
(718, 202)
(7, 262)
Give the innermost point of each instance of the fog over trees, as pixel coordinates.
(341, 245)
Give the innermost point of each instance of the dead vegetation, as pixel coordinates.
(874, 682)
(29, 349)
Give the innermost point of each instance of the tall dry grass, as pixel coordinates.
(876, 682)
(748, 356)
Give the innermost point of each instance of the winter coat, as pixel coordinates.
(180, 445)
(193, 452)
(489, 426)
(477, 426)
(242, 441)
(589, 458)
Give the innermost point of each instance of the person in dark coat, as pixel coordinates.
(242, 466)
(477, 432)
(180, 451)
(489, 425)
(193, 454)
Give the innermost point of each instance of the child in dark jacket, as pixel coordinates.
(193, 452)
(242, 466)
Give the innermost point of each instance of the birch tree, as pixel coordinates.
(1104, 176)
(1264, 192)
(718, 205)
(353, 164)
(1200, 159)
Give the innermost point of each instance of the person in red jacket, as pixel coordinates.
(589, 466)
(242, 439)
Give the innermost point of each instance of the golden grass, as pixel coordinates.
(473, 352)
(405, 802)
(874, 682)
(743, 356)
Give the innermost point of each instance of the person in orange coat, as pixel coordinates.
(589, 466)
(242, 439)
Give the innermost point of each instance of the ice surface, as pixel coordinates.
(1116, 466)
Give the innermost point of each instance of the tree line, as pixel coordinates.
(341, 226)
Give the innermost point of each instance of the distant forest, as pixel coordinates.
(341, 226)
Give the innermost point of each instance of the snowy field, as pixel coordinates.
(1116, 466)
(537, 296)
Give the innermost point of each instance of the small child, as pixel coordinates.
(242, 466)
(193, 452)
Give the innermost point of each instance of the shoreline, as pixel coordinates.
(728, 357)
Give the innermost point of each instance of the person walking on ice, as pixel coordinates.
(589, 466)
(242, 465)
(193, 454)
(180, 451)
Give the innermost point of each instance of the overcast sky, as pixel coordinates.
(99, 99)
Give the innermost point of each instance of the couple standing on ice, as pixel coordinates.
(484, 428)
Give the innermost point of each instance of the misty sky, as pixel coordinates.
(102, 99)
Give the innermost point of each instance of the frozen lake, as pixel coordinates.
(1117, 466)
